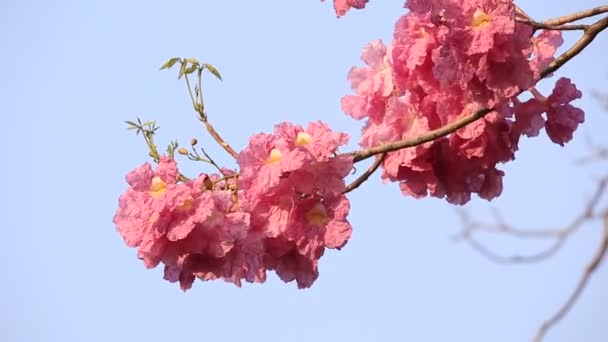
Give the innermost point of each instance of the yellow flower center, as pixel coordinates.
(275, 156)
(317, 215)
(480, 19)
(303, 139)
(158, 187)
(187, 205)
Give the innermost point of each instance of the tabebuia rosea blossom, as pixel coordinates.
(286, 204)
(293, 184)
(343, 6)
(280, 213)
(449, 59)
(194, 228)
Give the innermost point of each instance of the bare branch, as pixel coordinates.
(216, 136)
(577, 16)
(197, 102)
(592, 266)
(541, 25)
(590, 33)
(558, 236)
(357, 182)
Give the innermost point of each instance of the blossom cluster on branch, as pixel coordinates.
(441, 111)
(280, 213)
(448, 59)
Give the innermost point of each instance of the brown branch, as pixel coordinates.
(421, 139)
(521, 13)
(540, 25)
(580, 287)
(216, 136)
(589, 35)
(577, 16)
(515, 259)
(559, 236)
(357, 182)
(471, 227)
(197, 102)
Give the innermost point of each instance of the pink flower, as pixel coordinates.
(269, 158)
(342, 6)
(152, 208)
(544, 47)
(529, 119)
(265, 160)
(562, 117)
(195, 228)
(373, 84)
(298, 231)
(307, 228)
(299, 211)
(486, 23)
(243, 261)
(448, 59)
(289, 264)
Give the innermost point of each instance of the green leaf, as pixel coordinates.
(192, 61)
(149, 123)
(213, 70)
(170, 63)
(191, 69)
(131, 123)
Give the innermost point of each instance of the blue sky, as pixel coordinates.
(72, 72)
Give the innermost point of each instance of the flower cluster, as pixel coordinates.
(293, 187)
(286, 207)
(449, 59)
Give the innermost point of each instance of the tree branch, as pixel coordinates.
(577, 16)
(540, 25)
(592, 266)
(590, 33)
(216, 136)
(559, 236)
(357, 182)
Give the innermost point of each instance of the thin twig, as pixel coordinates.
(593, 265)
(199, 107)
(212, 162)
(541, 25)
(577, 16)
(364, 176)
(216, 136)
(515, 259)
(559, 236)
(590, 33)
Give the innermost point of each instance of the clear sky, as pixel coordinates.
(72, 71)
